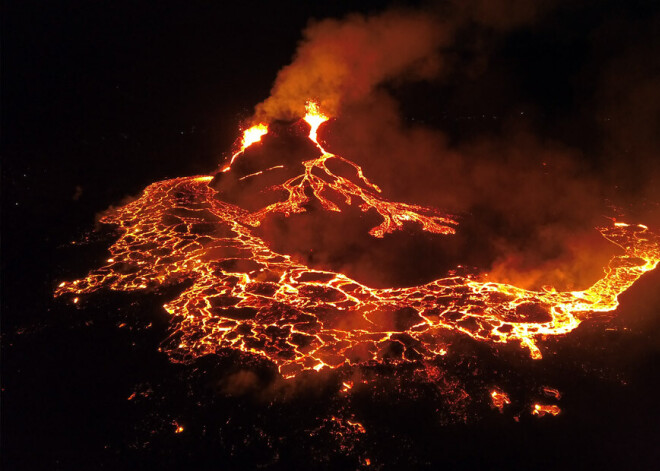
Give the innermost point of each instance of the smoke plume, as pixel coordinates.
(342, 61)
(530, 184)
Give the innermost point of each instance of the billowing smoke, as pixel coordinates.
(530, 186)
(527, 204)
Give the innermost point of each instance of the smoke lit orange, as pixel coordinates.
(243, 295)
(251, 136)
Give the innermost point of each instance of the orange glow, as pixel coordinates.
(551, 392)
(499, 399)
(357, 426)
(314, 118)
(305, 319)
(540, 410)
(251, 136)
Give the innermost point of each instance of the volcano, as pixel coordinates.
(243, 293)
(322, 210)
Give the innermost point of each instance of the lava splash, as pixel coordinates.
(241, 294)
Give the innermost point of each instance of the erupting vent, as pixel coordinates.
(243, 295)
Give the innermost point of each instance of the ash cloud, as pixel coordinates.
(527, 204)
(526, 154)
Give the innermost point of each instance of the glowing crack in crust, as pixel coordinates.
(243, 295)
(499, 399)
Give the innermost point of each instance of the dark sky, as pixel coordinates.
(101, 98)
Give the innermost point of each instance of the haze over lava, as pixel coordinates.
(247, 296)
(294, 252)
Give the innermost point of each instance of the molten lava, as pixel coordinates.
(541, 409)
(243, 295)
(499, 399)
(250, 136)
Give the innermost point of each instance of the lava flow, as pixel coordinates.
(241, 294)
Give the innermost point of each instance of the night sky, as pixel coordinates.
(100, 99)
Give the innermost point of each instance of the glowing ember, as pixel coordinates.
(252, 135)
(177, 427)
(243, 295)
(551, 392)
(540, 410)
(345, 426)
